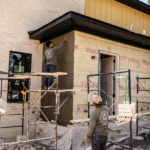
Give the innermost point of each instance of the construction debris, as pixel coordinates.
(3, 106)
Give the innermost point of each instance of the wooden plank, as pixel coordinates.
(50, 74)
(87, 7)
(124, 17)
(97, 9)
(103, 8)
(19, 77)
(79, 121)
(141, 114)
(61, 91)
(109, 11)
(91, 8)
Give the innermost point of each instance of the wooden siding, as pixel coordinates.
(118, 14)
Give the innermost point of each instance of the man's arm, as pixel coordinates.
(61, 44)
(91, 125)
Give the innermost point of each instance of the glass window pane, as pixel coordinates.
(18, 63)
(147, 2)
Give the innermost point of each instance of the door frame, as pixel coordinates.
(117, 69)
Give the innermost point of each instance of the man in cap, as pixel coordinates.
(50, 60)
(98, 126)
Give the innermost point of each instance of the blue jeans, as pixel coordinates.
(49, 80)
(99, 142)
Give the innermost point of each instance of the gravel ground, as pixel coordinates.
(137, 144)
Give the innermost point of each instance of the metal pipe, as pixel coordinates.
(144, 127)
(36, 123)
(28, 110)
(1, 88)
(11, 126)
(143, 78)
(11, 115)
(99, 71)
(119, 144)
(124, 71)
(129, 89)
(23, 117)
(137, 105)
(57, 108)
(43, 106)
(106, 100)
(145, 90)
(91, 105)
(27, 141)
(114, 84)
(88, 91)
(144, 102)
(41, 97)
(35, 103)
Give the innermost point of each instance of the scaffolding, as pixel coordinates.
(57, 106)
(138, 101)
(18, 114)
(99, 91)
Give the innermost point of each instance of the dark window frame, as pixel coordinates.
(136, 4)
(26, 81)
(143, 3)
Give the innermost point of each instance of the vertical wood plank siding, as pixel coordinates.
(118, 14)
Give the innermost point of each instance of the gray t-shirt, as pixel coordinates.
(50, 55)
(99, 121)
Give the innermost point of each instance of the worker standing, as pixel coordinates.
(50, 60)
(98, 126)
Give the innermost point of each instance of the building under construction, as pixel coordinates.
(104, 37)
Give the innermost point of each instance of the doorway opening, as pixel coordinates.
(109, 62)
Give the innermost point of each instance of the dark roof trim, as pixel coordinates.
(74, 21)
(136, 5)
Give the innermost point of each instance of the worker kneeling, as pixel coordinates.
(98, 126)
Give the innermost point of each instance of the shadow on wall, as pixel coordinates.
(65, 63)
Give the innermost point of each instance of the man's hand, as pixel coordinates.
(88, 140)
(65, 39)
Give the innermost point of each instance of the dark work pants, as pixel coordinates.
(49, 80)
(99, 142)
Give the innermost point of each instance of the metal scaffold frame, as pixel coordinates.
(99, 90)
(138, 101)
(22, 125)
(29, 108)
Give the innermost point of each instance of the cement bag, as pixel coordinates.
(3, 106)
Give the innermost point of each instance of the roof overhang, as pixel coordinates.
(74, 21)
(136, 5)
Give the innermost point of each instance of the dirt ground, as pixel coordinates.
(137, 144)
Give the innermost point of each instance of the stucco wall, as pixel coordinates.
(130, 58)
(65, 64)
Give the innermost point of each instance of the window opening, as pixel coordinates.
(18, 63)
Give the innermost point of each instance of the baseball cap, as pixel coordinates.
(97, 99)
